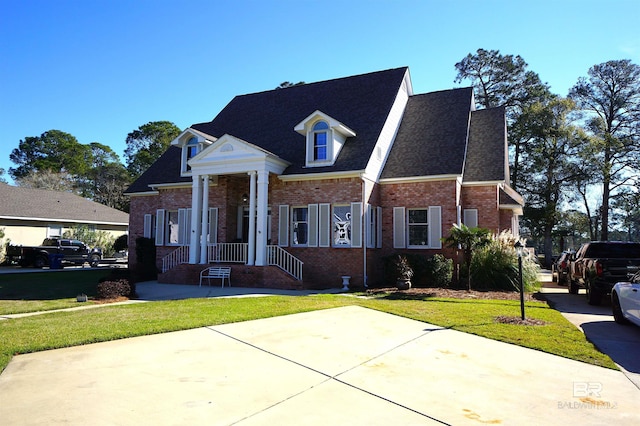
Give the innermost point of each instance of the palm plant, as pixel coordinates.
(461, 237)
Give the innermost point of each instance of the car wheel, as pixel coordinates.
(573, 287)
(594, 297)
(617, 310)
(94, 260)
(40, 262)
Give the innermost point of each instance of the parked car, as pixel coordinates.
(598, 265)
(625, 301)
(560, 268)
(59, 250)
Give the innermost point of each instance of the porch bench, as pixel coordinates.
(220, 272)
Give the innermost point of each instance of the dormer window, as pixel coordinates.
(320, 138)
(191, 150)
(325, 137)
(191, 142)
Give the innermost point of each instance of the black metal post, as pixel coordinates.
(521, 286)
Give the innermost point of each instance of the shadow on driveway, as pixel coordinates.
(620, 342)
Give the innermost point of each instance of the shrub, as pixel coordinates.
(121, 243)
(113, 289)
(435, 271)
(145, 269)
(439, 271)
(495, 266)
(116, 284)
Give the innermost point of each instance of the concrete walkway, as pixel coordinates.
(346, 365)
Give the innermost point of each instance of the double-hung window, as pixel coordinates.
(300, 226)
(173, 227)
(418, 227)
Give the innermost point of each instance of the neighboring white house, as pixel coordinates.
(28, 215)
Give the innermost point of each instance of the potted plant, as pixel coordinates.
(404, 273)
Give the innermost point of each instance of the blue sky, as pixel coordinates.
(99, 69)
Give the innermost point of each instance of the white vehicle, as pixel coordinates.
(625, 301)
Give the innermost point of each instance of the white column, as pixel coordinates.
(251, 255)
(196, 206)
(205, 220)
(262, 212)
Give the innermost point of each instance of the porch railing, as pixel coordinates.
(228, 253)
(237, 253)
(175, 258)
(284, 260)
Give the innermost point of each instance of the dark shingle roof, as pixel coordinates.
(267, 119)
(432, 137)
(486, 154)
(19, 202)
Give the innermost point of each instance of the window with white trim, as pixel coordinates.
(417, 227)
(342, 226)
(173, 227)
(192, 149)
(313, 226)
(54, 231)
(320, 134)
(299, 226)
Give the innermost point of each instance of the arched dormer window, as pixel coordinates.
(320, 141)
(191, 149)
(324, 138)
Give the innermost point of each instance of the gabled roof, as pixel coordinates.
(267, 119)
(487, 151)
(40, 204)
(432, 137)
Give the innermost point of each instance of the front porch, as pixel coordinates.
(243, 276)
(283, 271)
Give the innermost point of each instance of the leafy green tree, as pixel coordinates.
(610, 97)
(54, 150)
(549, 162)
(461, 237)
(500, 80)
(503, 80)
(2, 178)
(107, 178)
(147, 143)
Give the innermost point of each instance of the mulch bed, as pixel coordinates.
(421, 293)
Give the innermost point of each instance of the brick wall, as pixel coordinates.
(324, 266)
(485, 199)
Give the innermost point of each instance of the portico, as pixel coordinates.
(232, 156)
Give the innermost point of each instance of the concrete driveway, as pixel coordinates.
(338, 366)
(620, 342)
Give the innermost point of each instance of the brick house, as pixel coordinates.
(297, 187)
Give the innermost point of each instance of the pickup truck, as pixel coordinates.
(598, 265)
(70, 251)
